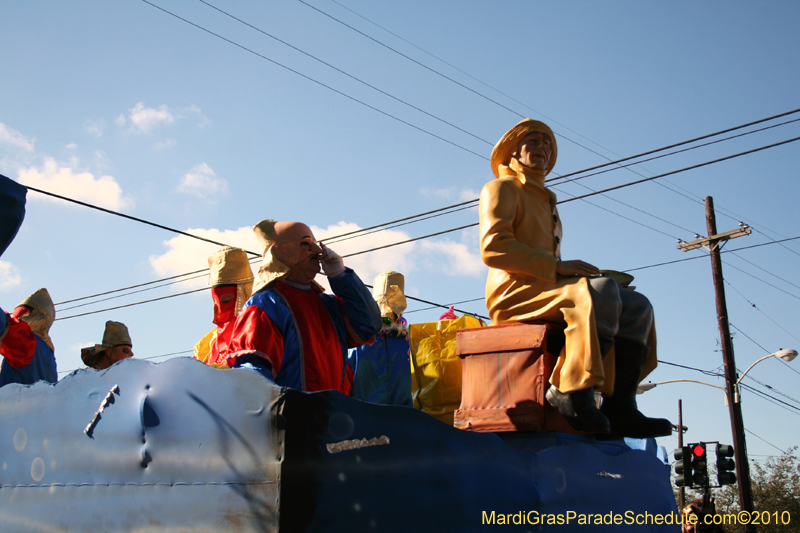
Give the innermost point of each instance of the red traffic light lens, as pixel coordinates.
(699, 450)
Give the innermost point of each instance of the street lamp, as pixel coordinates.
(740, 449)
(786, 355)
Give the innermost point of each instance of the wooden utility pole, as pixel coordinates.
(713, 242)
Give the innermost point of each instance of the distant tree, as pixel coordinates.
(776, 492)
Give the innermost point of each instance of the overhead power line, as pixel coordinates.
(756, 436)
(702, 256)
(682, 143)
(412, 240)
(461, 204)
(448, 123)
(717, 141)
(699, 165)
(61, 310)
(763, 395)
(754, 306)
(117, 213)
(484, 140)
(446, 306)
(495, 89)
(132, 304)
(777, 401)
(130, 287)
(309, 78)
(624, 185)
(346, 73)
(796, 286)
(434, 71)
(465, 203)
(762, 281)
(615, 200)
(394, 223)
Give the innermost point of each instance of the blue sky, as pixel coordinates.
(121, 105)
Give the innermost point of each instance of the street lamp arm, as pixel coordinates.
(751, 366)
(647, 386)
(786, 355)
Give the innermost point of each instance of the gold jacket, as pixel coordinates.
(520, 235)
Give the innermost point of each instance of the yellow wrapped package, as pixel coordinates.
(435, 367)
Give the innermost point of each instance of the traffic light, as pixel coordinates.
(683, 466)
(725, 466)
(699, 465)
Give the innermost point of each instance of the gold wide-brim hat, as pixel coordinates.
(388, 291)
(115, 334)
(507, 145)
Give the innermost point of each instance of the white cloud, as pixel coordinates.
(186, 254)
(94, 127)
(468, 194)
(452, 257)
(193, 110)
(142, 119)
(203, 182)
(12, 139)
(165, 144)
(438, 193)
(99, 162)
(145, 119)
(450, 193)
(64, 180)
(71, 146)
(369, 265)
(9, 276)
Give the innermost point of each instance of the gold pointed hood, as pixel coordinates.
(42, 316)
(231, 266)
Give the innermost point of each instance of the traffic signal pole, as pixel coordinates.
(682, 499)
(734, 407)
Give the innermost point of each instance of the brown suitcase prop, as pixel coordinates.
(505, 374)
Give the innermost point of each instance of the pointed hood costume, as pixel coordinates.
(229, 274)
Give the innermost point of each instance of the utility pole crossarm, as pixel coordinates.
(714, 240)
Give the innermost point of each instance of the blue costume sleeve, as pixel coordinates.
(12, 210)
(253, 362)
(360, 309)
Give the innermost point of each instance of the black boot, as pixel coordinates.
(579, 409)
(625, 418)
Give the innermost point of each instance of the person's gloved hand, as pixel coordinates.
(332, 263)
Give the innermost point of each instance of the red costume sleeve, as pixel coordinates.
(254, 333)
(18, 343)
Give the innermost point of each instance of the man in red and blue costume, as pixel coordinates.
(290, 331)
(24, 341)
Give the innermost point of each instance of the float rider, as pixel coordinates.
(610, 337)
